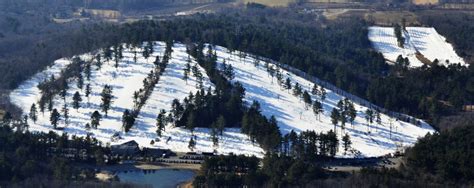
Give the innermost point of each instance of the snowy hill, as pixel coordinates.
(291, 113)
(424, 40)
(127, 78)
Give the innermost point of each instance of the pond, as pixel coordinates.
(163, 178)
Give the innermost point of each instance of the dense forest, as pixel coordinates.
(25, 155)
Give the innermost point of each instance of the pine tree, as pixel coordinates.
(106, 99)
(50, 103)
(346, 140)
(307, 99)
(33, 113)
(335, 117)
(54, 118)
(76, 104)
(42, 105)
(229, 72)
(288, 84)
(378, 119)
(98, 61)
(323, 94)
(220, 124)
(80, 81)
(65, 111)
(87, 71)
(186, 72)
(352, 113)
(317, 108)
(214, 137)
(95, 119)
(88, 91)
(297, 89)
(64, 88)
(192, 143)
(190, 123)
(369, 116)
(128, 120)
(315, 90)
(160, 123)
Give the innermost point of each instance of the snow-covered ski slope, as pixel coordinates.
(127, 78)
(291, 113)
(425, 40)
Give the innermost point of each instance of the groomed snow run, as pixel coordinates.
(425, 40)
(125, 80)
(291, 113)
(289, 110)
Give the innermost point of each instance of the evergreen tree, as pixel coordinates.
(65, 111)
(54, 118)
(352, 113)
(229, 71)
(214, 137)
(323, 94)
(64, 88)
(98, 61)
(288, 84)
(128, 120)
(50, 103)
(186, 71)
(335, 116)
(87, 71)
(333, 143)
(307, 99)
(88, 91)
(80, 81)
(317, 108)
(346, 140)
(378, 119)
(297, 89)
(192, 143)
(33, 113)
(369, 116)
(76, 104)
(95, 119)
(106, 99)
(191, 122)
(42, 105)
(220, 124)
(315, 90)
(160, 122)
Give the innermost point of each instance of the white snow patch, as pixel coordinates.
(425, 40)
(291, 113)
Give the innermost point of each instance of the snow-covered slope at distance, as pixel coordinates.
(291, 113)
(289, 110)
(425, 40)
(125, 80)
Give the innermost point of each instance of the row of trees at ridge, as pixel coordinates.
(141, 96)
